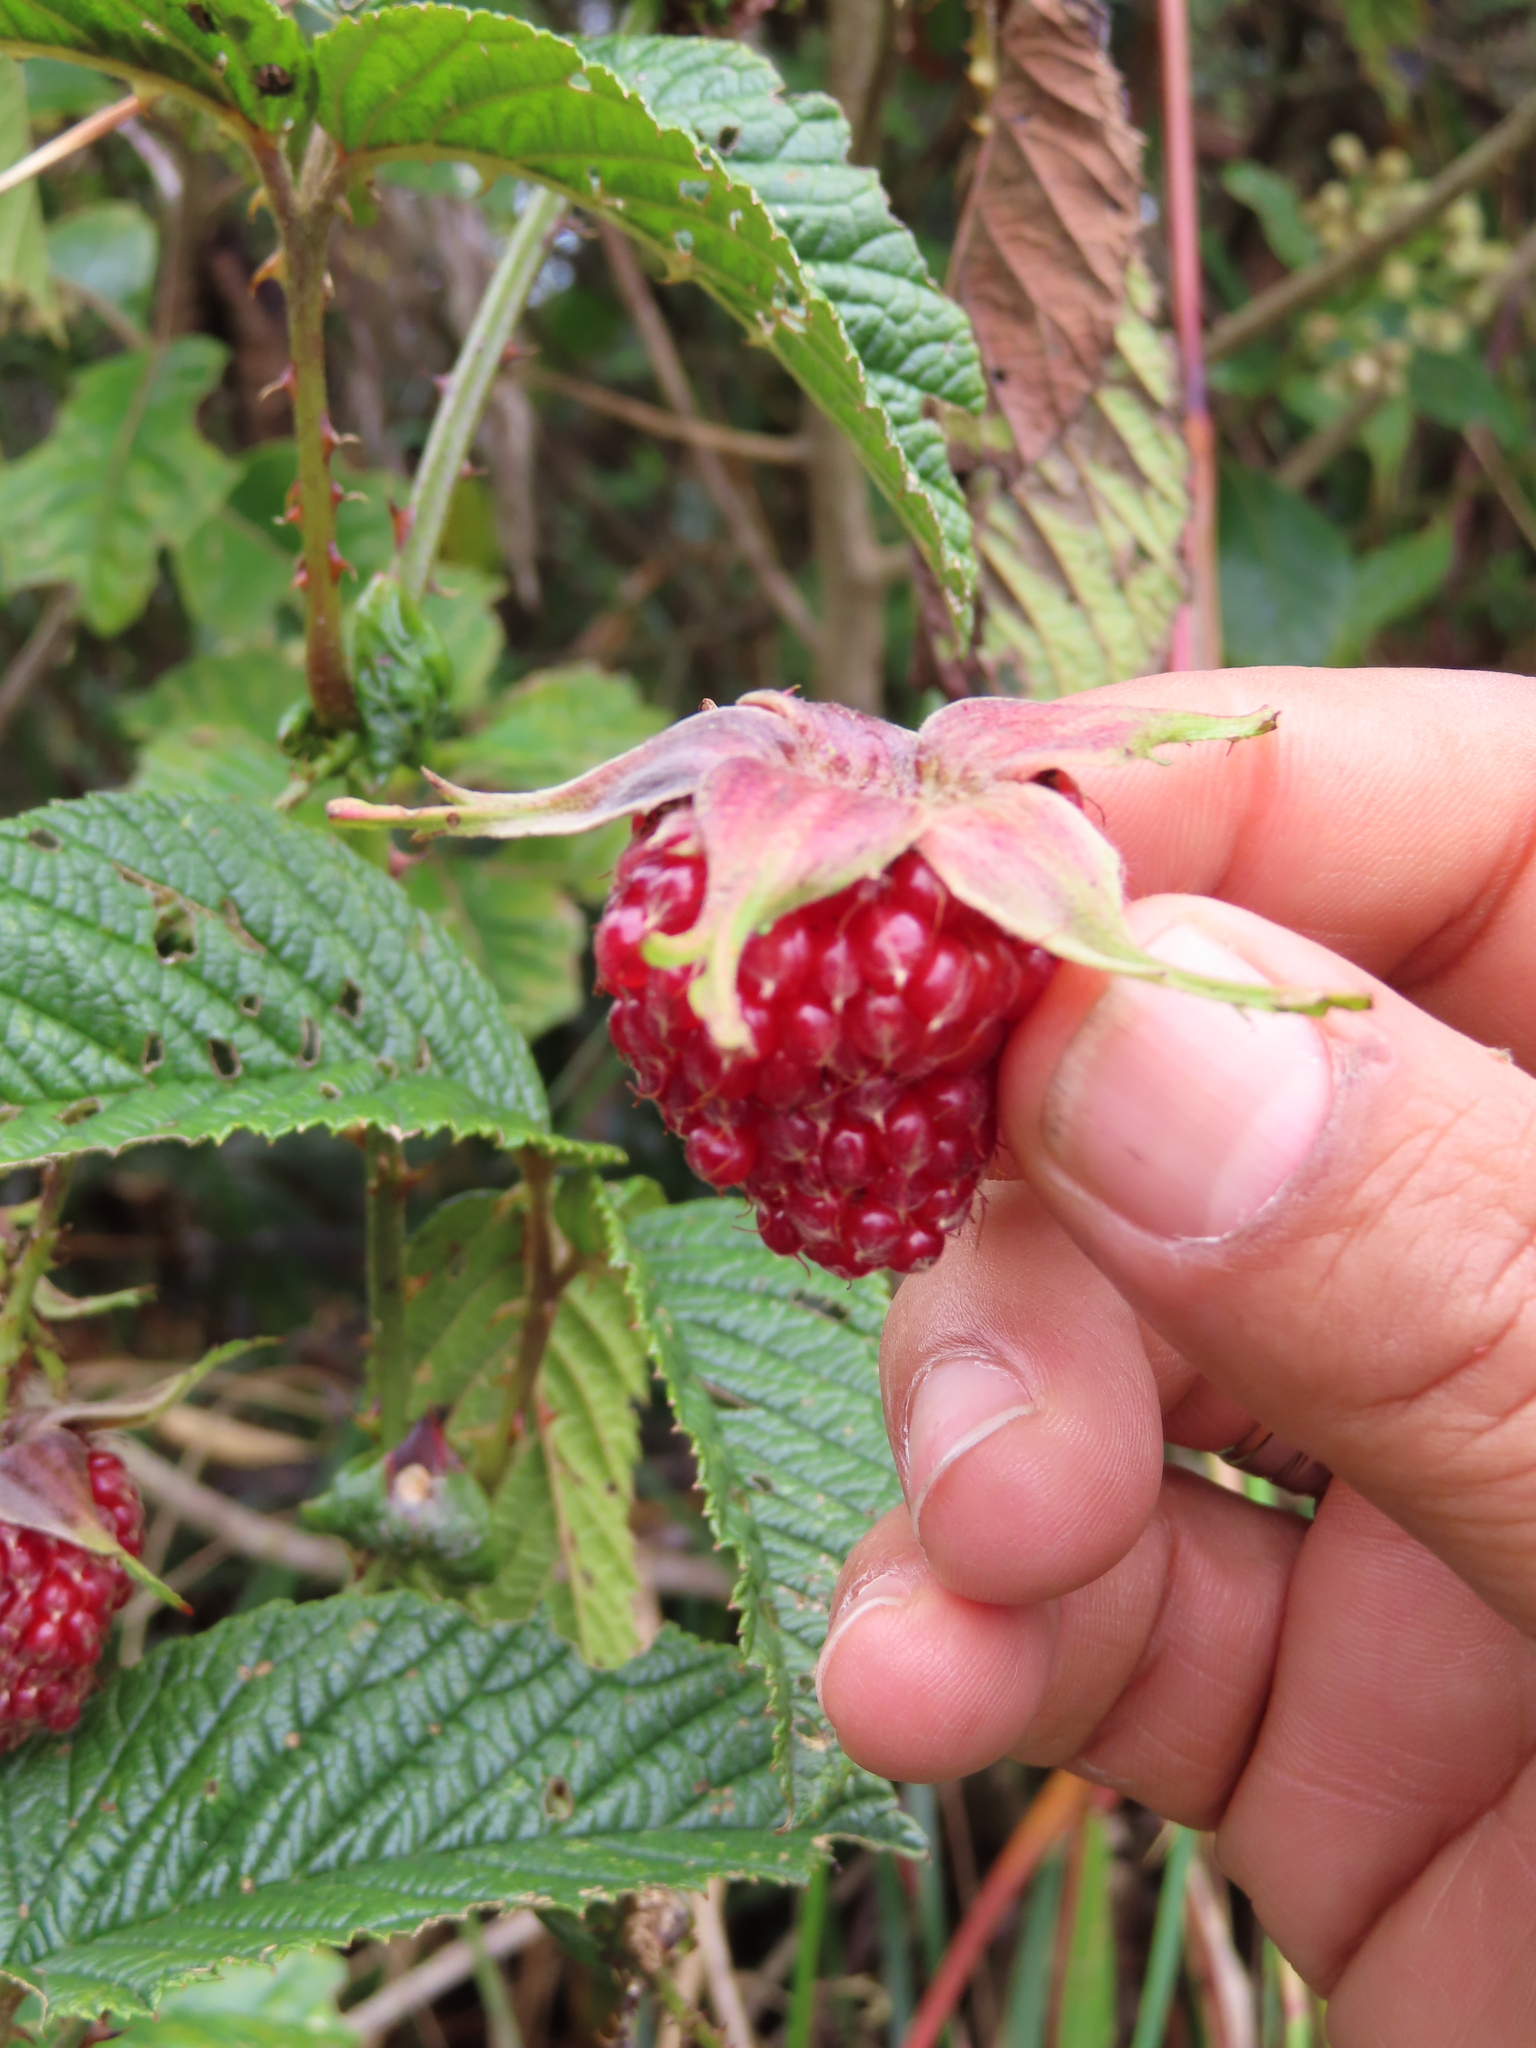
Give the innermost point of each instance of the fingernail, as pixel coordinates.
(885, 1590)
(956, 1405)
(1187, 1116)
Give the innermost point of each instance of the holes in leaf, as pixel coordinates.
(273, 80)
(226, 1061)
(387, 1067)
(175, 934)
(310, 1042)
(760, 1482)
(77, 1112)
(727, 140)
(696, 189)
(249, 1006)
(682, 241)
(44, 840)
(350, 1001)
(834, 1311)
(202, 19)
(153, 1054)
(559, 1800)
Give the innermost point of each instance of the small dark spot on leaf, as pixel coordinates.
(423, 1060)
(247, 1884)
(249, 1006)
(559, 1799)
(760, 1482)
(202, 19)
(386, 1066)
(226, 1061)
(109, 1806)
(330, 1091)
(44, 840)
(77, 1112)
(211, 1788)
(350, 1001)
(273, 80)
(8, 1110)
(727, 139)
(175, 934)
(834, 1311)
(153, 1053)
(310, 1042)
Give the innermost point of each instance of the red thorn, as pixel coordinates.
(272, 271)
(338, 492)
(330, 440)
(338, 562)
(402, 519)
(286, 382)
(400, 861)
(443, 385)
(300, 578)
(518, 352)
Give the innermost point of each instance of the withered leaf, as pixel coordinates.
(1052, 217)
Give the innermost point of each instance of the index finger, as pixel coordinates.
(1391, 817)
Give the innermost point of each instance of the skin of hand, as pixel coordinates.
(1220, 1217)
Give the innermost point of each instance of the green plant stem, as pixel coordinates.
(1157, 1986)
(469, 384)
(388, 1366)
(501, 2029)
(813, 1923)
(36, 1257)
(304, 215)
(1319, 280)
(895, 1946)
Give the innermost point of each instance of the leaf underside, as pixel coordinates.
(176, 967)
(773, 1372)
(302, 1775)
(1081, 565)
(1052, 218)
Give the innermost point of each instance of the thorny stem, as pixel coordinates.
(304, 214)
(470, 381)
(35, 1259)
(384, 1203)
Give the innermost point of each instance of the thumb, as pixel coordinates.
(1332, 1219)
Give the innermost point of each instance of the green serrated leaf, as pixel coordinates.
(303, 1775)
(292, 2006)
(241, 59)
(691, 147)
(595, 1371)
(123, 473)
(401, 675)
(1286, 575)
(25, 273)
(550, 728)
(526, 1537)
(182, 967)
(773, 1372)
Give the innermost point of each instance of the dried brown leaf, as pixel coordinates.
(1052, 217)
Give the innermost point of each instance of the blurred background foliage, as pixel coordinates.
(654, 519)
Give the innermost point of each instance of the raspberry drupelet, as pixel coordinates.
(56, 1604)
(860, 1119)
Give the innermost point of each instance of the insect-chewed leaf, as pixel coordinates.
(772, 1369)
(181, 967)
(1052, 217)
(242, 59)
(301, 1775)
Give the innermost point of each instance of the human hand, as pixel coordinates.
(1326, 1227)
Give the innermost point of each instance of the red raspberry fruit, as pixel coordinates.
(861, 1119)
(56, 1601)
(827, 924)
